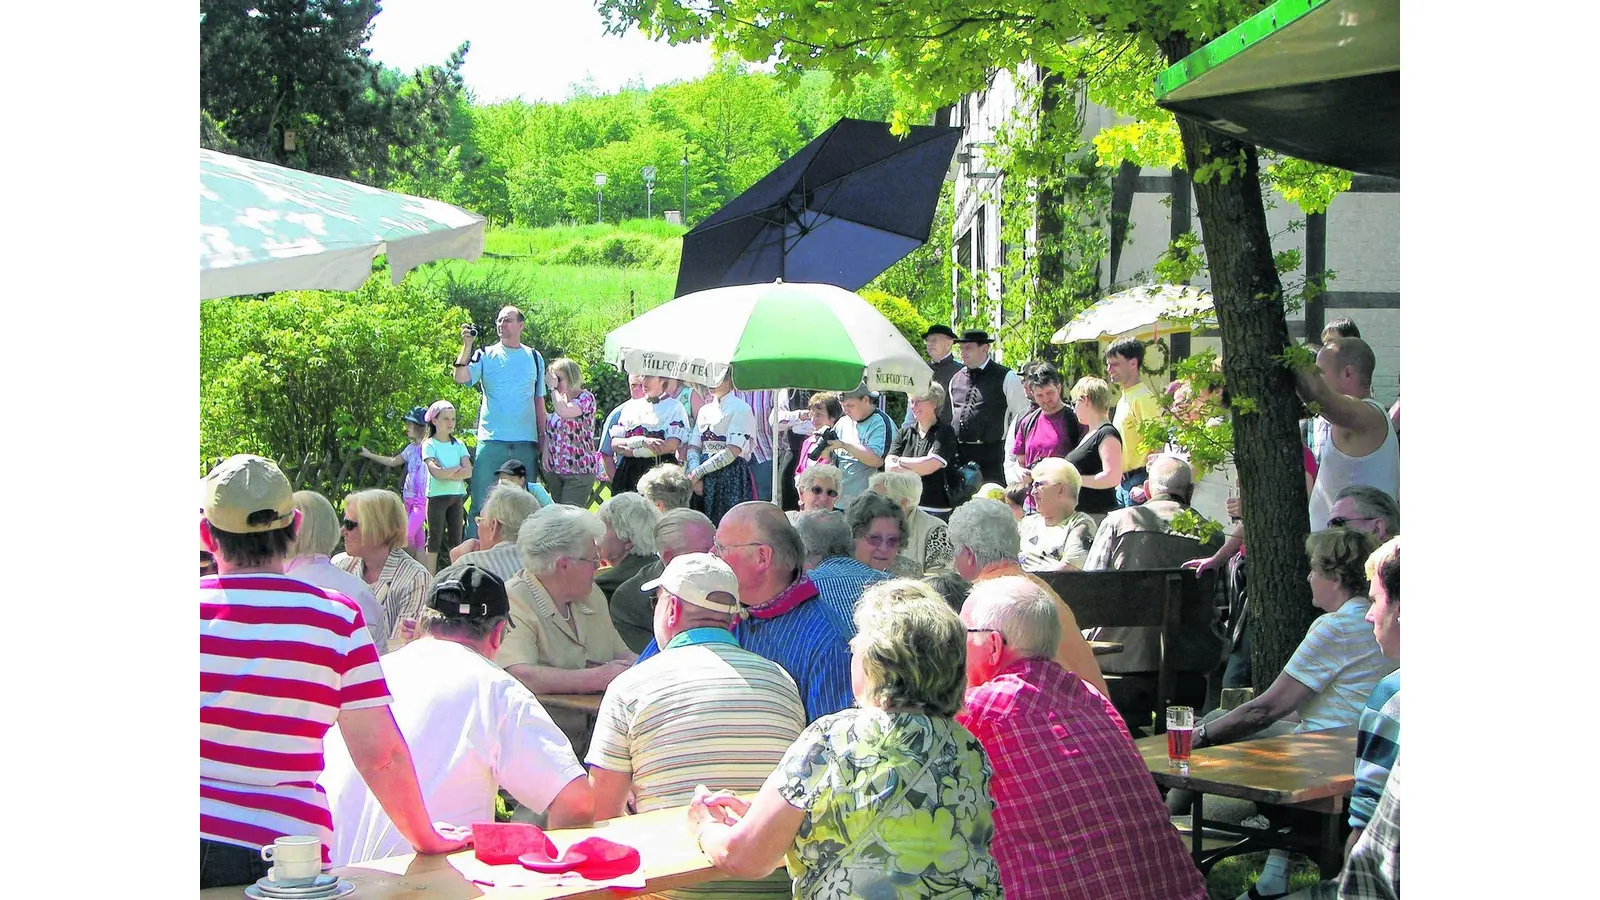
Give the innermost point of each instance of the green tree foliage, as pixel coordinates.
(911, 325)
(936, 51)
(322, 372)
(271, 66)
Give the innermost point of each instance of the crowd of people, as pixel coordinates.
(859, 675)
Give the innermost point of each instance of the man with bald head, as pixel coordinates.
(786, 618)
(511, 416)
(1362, 446)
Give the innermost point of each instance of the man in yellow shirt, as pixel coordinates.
(1136, 407)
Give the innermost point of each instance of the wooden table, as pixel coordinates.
(1105, 648)
(584, 703)
(1314, 771)
(666, 849)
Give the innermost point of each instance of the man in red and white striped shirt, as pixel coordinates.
(280, 662)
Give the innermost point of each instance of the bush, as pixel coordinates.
(320, 373)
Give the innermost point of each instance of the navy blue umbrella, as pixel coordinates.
(847, 206)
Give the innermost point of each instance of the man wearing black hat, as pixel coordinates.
(472, 727)
(983, 396)
(939, 339)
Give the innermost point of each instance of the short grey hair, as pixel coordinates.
(824, 474)
(510, 505)
(824, 533)
(904, 488)
(319, 526)
(556, 531)
(986, 528)
(668, 485)
(868, 507)
(1371, 501)
(1023, 613)
(633, 519)
(913, 648)
(672, 524)
(772, 528)
(1171, 475)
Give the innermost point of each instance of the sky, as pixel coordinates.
(535, 49)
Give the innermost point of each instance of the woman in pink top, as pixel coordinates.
(569, 457)
(415, 492)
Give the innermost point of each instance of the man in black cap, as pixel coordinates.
(983, 397)
(514, 472)
(939, 339)
(472, 727)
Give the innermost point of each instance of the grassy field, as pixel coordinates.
(635, 244)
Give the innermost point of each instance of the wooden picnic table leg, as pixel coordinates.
(1196, 830)
(1331, 849)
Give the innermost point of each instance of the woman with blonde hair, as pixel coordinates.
(818, 488)
(310, 559)
(374, 528)
(927, 547)
(889, 799)
(569, 454)
(1098, 457)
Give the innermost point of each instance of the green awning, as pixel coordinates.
(1316, 79)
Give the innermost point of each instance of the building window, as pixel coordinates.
(964, 280)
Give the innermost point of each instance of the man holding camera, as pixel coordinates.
(512, 415)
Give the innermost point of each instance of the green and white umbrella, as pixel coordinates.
(269, 228)
(775, 335)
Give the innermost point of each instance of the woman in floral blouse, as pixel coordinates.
(569, 462)
(888, 800)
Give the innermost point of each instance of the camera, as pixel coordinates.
(824, 437)
(472, 329)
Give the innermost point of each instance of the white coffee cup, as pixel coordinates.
(296, 859)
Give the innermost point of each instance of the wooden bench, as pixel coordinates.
(1158, 598)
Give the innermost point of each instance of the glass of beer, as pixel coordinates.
(1180, 734)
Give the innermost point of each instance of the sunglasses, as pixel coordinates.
(349, 524)
(891, 541)
(1341, 521)
(817, 491)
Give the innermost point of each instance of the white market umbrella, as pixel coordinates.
(1136, 309)
(774, 335)
(269, 228)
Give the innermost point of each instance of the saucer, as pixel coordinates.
(317, 891)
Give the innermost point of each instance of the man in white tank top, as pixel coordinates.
(1363, 448)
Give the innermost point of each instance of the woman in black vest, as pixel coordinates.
(1098, 457)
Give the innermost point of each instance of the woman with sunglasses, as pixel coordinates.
(878, 527)
(374, 529)
(819, 488)
(309, 560)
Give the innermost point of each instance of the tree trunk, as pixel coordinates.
(1248, 296)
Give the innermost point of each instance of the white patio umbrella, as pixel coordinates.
(775, 335)
(269, 228)
(1135, 309)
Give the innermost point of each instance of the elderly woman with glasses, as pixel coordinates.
(878, 527)
(374, 528)
(819, 488)
(886, 800)
(927, 546)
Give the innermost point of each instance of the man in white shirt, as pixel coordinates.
(472, 728)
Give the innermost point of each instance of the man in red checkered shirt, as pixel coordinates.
(1076, 813)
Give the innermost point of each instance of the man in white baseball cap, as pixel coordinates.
(703, 710)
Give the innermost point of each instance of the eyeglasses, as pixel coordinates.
(349, 524)
(818, 491)
(719, 549)
(1038, 486)
(994, 631)
(591, 560)
(891, 541)
(1341, 521)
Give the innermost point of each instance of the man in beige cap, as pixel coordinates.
(280, 662)
(703, 710)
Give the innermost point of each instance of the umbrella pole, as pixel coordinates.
(777, 470)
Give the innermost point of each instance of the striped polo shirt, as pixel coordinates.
(702, 711)
(279, 660)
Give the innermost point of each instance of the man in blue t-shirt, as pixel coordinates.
(512, 415)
